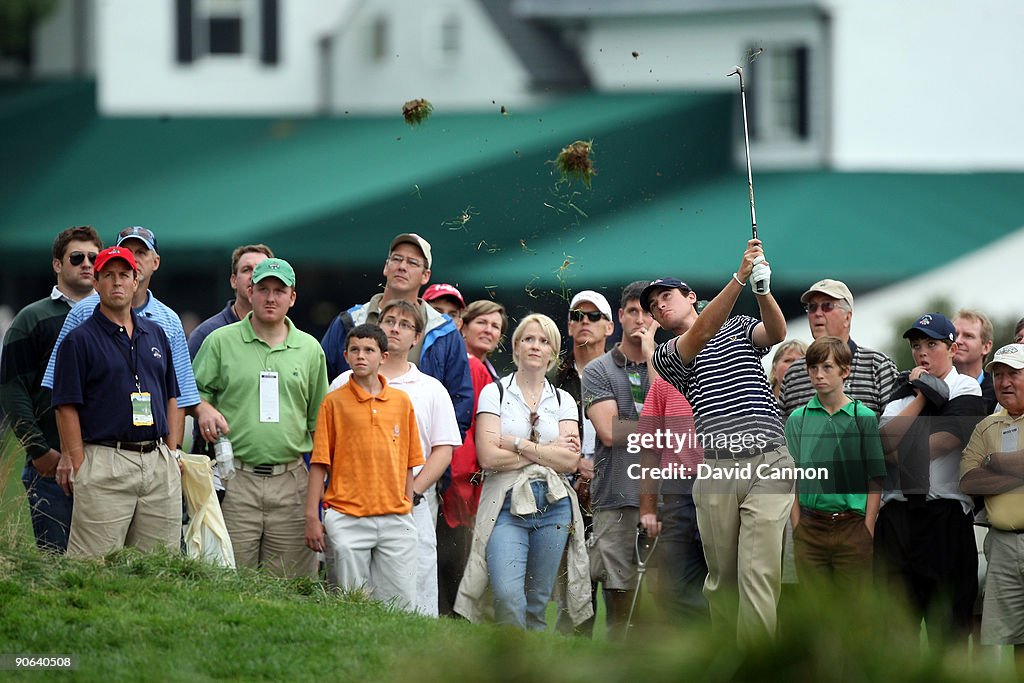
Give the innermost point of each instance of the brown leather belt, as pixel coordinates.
(831, 516)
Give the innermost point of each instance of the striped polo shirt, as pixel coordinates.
(871, 381)
(154, 311)
(725, 383)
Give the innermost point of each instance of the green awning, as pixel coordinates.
(328, 191)
(869, 229)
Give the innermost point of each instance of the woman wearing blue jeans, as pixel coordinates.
(527, 439)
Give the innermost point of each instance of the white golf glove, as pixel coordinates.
(761, 276)
(226, 467)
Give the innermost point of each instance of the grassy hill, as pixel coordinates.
(162, 617)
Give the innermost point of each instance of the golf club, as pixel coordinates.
(759, 287)
(644, 546)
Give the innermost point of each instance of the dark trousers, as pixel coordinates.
(50, 509)
(926, 549)
(838, 549)
(680, 558)
(453, 546)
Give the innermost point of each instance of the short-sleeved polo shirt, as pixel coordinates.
(227, 370)
(369, 443)
(153, 311)
(96, 369)
(1005, 510)
(613, 377)
(847, 444)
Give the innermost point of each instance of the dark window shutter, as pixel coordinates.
(269, 10)
(803, 92)
(183, 26)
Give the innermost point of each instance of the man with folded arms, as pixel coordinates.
(115, 388)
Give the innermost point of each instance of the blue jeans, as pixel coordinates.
(523, 555)
(681, 564)
(50, 508)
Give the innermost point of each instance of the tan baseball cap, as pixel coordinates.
(1011, 355)
(833, 288)
(415, 240)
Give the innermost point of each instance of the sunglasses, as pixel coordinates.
(577, 315)
(826, 307)
(534, 434)
(77, 257)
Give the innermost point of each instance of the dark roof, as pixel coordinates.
(541, 48)
(565, 9)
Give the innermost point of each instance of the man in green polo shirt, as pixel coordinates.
(268, 379)
(834, 518)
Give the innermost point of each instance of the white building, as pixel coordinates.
(849, 84)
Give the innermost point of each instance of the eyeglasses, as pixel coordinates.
(577, 315)
(534, 434)
(391, 321)
(398, 260)
(77, 257)
(826, 307)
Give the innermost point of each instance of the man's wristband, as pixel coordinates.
(736, 278)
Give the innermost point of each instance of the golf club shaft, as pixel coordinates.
(746, 149)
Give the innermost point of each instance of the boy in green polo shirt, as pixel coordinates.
(834, 518)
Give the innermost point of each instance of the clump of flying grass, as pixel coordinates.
(574, 162)
(416, 111)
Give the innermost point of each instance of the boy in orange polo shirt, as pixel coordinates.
(366, 439)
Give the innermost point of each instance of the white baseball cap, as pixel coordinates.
(1011, 355)
(595, 298)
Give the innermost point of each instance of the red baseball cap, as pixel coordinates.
(439, 290)
(111, 253)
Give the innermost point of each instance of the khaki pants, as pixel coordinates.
(266, 520)
(376, 554)
(125, 498)
(741, 524)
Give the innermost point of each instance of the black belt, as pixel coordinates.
(831, 516)
(137, 446)
(738, 453)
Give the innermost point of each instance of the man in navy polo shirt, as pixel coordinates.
(114, 388)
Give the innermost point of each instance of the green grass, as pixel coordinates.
(163, 617)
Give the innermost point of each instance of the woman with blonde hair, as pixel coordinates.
(527, 440)
(786, 354)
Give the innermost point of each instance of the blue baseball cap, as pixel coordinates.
(661, 283)
(934, 325)
(137, 232)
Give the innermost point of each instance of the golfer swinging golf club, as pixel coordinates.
(716, 363)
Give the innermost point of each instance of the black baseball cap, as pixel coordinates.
(661, 283)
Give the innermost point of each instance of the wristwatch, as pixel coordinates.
(987, 462)
(515, 445)
(417, 498)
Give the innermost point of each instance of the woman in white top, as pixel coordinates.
(527, 439)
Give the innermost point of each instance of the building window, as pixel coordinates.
(443, 37)
(379, 39)
(778, 94)
(450, 36)
(227, 28)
